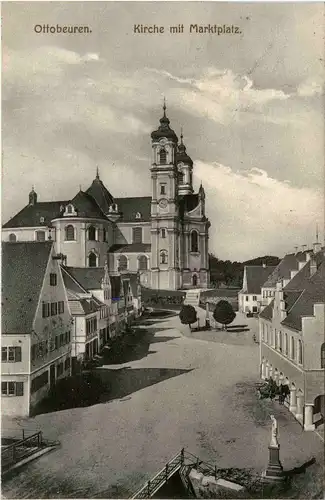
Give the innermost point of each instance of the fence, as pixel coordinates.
(18, 450)
(183, 460)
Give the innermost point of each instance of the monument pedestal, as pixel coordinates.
(274, 470)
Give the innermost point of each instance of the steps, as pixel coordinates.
(192, 297)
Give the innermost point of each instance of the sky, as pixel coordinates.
(251, 106)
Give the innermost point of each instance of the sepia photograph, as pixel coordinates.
(163, 250)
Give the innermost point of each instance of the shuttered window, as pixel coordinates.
(137, 235)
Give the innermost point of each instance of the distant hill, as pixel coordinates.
(226, 272)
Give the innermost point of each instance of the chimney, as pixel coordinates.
(264, 265)
(293, 274)
(317, 247)
(279, 286)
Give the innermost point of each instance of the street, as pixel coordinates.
(171, 391)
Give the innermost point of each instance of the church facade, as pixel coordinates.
(163, 237)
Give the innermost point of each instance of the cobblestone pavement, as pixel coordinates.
(180, 392)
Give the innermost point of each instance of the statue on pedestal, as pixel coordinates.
(274, 435)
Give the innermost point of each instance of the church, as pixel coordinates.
(163, 237)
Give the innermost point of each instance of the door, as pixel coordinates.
(194, 280)
(52, 376)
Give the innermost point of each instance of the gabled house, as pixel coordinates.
(249, 298)
(36, 325)
(292, 347)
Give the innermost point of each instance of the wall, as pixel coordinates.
(247, 305)
(124, 232)
(16, 372)
(26, 233)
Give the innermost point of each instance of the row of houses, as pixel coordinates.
(290, 302)
(54, 318)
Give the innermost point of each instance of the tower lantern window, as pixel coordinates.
(163, 156)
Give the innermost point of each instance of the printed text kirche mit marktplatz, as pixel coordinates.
(215, 29)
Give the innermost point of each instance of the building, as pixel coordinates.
(285, 271)
(101, 305)
(249, 297)
(292, 348)
(36, 325)
(164, 236)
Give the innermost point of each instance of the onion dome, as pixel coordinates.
(164, 129)
(181, 155)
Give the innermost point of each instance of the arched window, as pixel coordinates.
(194, 241)
(123, 263)
(69, 209)
(12, 237)
(92, 260)
(137, 235)
(286, 346)
(143, 263)
(322, 356)
(92, 233)
(163, 156)
(299, 352)
(163, 257)
(40, 235)
(292, 342)
(69, 233)
(138, 215)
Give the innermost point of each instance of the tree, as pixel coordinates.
(188, 315)
(224, 313)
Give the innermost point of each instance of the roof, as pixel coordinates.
(23, 268)
(130, 248)
(298, 281)
(313, 293)
(86, 206)
(181, 154)
(129, 207)
(187, 203)
(133, 280)
(255, 277)
(100, 194)
(90, 278)
(290, 262)
(267, 312)
(30, 216)
(164, 129)
(71, 283)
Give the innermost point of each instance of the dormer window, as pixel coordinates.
(138, 215)
(113, 208)
(70, 210)
(41, 220)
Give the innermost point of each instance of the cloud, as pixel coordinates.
(311, 86)
(254, 214)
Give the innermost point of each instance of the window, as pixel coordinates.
(254, 309)
(194, 241)
(163, 257)
(91, 325)
(143, 263)
(53, 279)
(275, 339)
(286, 345)
(137, 235)
(59, 369)
(12, 388)
(138, 215)
(254, 297)
(12, 237)
(163, 233)
(39, 382)
(246, 298)
(11, 354)
(299, 352)
(162, 188)
(292, 348)
(54, 308)
(92, 260)
(163, 156)
(105, 234)
(40, 235)
(45, 309)
(92, 233)
(69, 233)
(280, 341)
(266, 333)
(61, 341)
(67, 364)
(69, 209)
(322, 356)
(123, 263)
(60, 307)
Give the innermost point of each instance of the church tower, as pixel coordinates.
(165, 273)
(185, 170)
